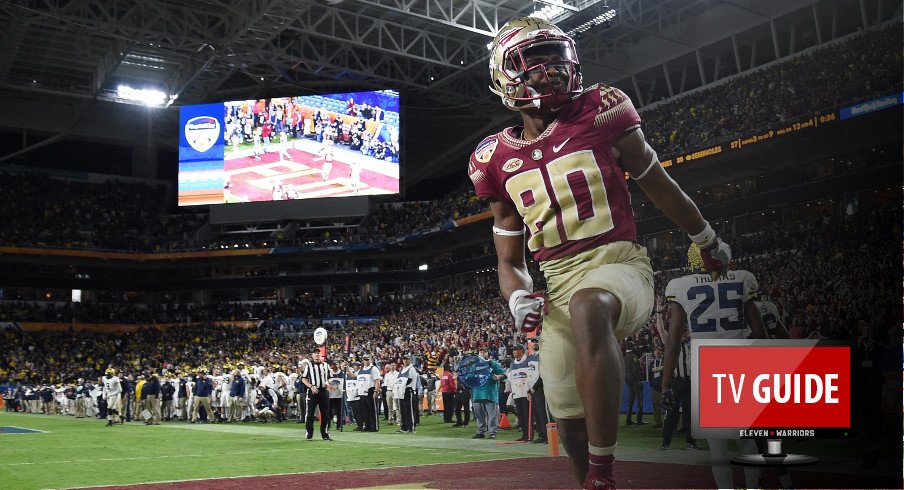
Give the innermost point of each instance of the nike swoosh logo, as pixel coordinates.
(556, 148)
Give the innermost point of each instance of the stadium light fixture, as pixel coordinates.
(553, 8)
(148, 97)
(605, 17)
(549, 12)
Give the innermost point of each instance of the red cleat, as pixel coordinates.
(598, 483)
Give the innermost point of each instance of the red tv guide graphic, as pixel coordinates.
(774, 387)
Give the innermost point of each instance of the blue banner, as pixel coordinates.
(871, 106)
(201, 135)
(201, 148)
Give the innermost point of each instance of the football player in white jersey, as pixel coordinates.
(711, 306)
(113, 396)
(326, 154)
(772, 321)
(284, 146)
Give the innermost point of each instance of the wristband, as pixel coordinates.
(501, 232)
(515, 297)
(705, 237)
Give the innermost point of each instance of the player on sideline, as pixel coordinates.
(557, 184)
(113, 397)
(711, 306)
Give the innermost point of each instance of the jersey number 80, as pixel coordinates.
(581, 210)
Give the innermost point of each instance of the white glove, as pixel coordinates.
(528, 309)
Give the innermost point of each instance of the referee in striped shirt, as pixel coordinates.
(316, 375)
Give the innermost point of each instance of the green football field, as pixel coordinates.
(84, 452)
(73, 453)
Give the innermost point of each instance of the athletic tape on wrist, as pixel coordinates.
(501, 232)
(705, 237)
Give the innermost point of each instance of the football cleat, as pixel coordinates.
(596, 483)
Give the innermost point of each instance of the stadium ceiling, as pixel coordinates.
(434, 51)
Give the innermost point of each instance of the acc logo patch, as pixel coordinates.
(202, 132)
(512, 165)
(485, 150)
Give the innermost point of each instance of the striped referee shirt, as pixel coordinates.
(684, 360)
(317, 373)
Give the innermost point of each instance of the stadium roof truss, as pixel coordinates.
(434, 50)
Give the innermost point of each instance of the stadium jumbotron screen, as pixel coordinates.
(303, 147)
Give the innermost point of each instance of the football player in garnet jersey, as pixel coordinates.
(557, 183)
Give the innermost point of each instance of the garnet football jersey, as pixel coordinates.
(566, 185)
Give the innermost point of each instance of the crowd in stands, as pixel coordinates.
(444, 323)
(827, 278)
(174, 231)
(785, 178)
(84, 215)
(825, 79)
(55, 212)
(179, 312)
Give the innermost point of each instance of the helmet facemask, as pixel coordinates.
(520, 80)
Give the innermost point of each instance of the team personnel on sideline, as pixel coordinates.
(521, 377)
(447, 388)
(407, 378)
(236, 396)
(351, 395)
(334, 387)
(80, 395)
(485, 399)
(538, 395)
(711, 307)
(152, 396)
(393, 414)
(203, 388)
(556, 183)
(369, 380)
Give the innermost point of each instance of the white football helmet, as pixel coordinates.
(508, 70)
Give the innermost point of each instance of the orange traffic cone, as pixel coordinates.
(552, 436)
(504, 421)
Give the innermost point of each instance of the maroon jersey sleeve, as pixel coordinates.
(479, 170)
(615, 113)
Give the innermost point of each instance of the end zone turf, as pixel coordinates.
(521, 473)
